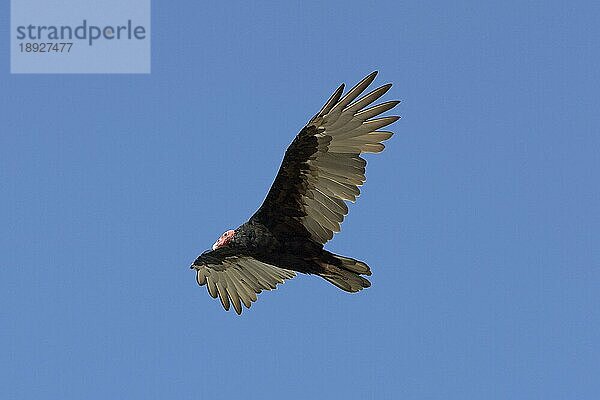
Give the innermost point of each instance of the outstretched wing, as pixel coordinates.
(237, 279)
(322, 168)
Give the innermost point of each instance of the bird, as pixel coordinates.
(322, 169)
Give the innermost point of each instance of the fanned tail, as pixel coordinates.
(346, 275)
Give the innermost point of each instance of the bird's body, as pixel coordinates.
(322, 169)
(254, 239)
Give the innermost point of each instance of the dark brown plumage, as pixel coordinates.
(322, 169)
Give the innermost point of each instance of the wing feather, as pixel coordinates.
(368, 99)
(232, 292)
(323, 167)
(211, 286)
(237, 279)
(334, 204)
(246, 293)
(222, 288)
(335, 97)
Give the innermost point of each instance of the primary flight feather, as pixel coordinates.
(321, 170)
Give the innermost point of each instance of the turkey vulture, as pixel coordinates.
(321, 169)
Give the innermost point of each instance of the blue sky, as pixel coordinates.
(480, 220)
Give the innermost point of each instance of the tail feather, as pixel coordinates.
(347, 275)
(354, 265)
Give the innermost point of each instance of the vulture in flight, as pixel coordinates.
(321, 170)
